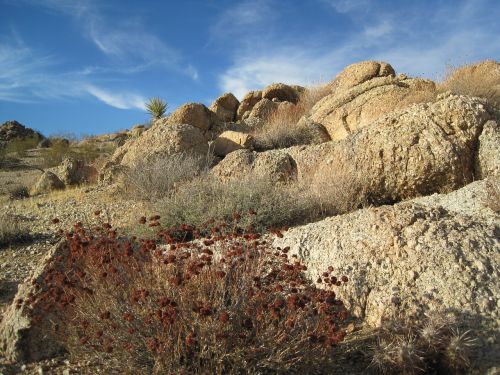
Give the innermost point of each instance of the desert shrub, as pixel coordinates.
(19, 146)
(281, 129)
(471, 80)
(153, 180)
(206, 197)
(210, 300)
(10, 231)
(18, 192)
(422, 346)
(55, 154)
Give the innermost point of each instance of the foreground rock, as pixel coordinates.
(47, 183)
(488, 161)
(21, 338)
(161, 140)
(410, 258)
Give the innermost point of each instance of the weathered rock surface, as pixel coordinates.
(70, 171)
(47, 182)
(281, 92)
(246, 105)
(137, 130)
(345, 111)
(488, 158)
(274, 166)
(405, 259)
(194, 114)
(230, 141)
(225, 107)
(420, 150)
(360, 72)
(21, 339)
(161, 140)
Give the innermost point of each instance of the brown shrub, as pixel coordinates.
(281, 128)
(215, 299)
(481, 80)
(11, 231)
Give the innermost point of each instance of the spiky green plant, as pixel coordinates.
(156, 107)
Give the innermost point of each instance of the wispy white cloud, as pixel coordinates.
(347, 6)
(117, 99)
(127, 41)
(28, 76)
(458, 32)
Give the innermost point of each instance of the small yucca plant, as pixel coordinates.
(156, 107)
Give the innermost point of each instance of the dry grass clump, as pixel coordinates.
(422, 346)
(10, 231)
(215, 299)
(274, 205)
(153, 180)
(281, 128)
(481, 80)
(18, 192)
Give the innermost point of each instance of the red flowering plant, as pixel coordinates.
(214, 299)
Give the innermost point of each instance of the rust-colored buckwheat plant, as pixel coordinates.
(214, 299)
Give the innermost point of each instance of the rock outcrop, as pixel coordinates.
(225, 107)
(230, 141)
(246, 105)
(47, 183)
(347, 110)
(488, 160)
(272, 166)
(21, 338)
(281, 92)
(407, 259)
(360, 72)
(12, 130)
(161, 140)
(194, 114)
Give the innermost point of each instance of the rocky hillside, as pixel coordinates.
(391, 181)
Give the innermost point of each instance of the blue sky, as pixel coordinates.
(87, 66)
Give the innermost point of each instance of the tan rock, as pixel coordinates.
(263, 108)
(275, 167)
(282, 92)
(247, 104)
(348, 110)
(225, 107)
(47, 183)
(408, 259)
(161, 140)
(360, 72)
(21, 339)
(488, 158)
(137, 130)
(230, 141)
(194, 114)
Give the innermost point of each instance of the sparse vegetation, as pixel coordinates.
(155, 180)
(10, 231)
(281, 128)
(226, 303)
(422, 346)
(206, 197)
(479, 80)
(156, 108)
(18, 192)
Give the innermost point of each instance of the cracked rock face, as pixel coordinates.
(345, 111)
(405, 259)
